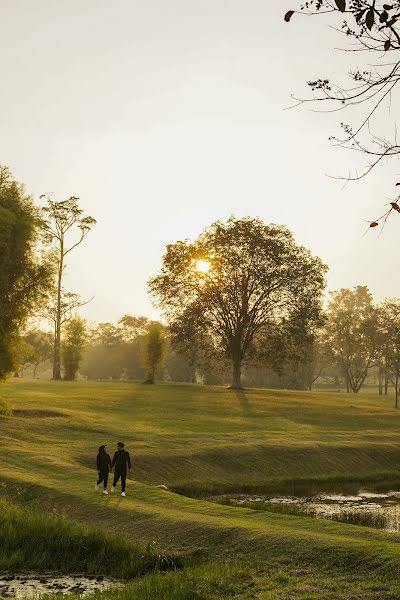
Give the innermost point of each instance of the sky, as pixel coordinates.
(166, 116)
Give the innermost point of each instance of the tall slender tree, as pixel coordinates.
(154, 350)
(65, 227)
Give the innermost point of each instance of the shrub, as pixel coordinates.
(5, 408)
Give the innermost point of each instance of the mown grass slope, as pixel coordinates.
(198, 440)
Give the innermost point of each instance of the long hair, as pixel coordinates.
(102, 449)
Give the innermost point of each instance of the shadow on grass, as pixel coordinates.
(244, 403)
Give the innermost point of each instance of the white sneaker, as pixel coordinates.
(105, 492)
(112, 488)
(96, 487)
(123, 494)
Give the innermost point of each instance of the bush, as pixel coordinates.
(5, 408)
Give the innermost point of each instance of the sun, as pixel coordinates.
(203, 266)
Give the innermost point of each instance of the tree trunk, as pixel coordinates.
(386, 385)
(397, 391)
(236, 374)
(57, 332)
(34, 370)
(150, 377)
(380, 382)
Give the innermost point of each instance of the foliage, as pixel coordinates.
(389, 312)
(61, 220)
(41, 346)
(73, 343)
(154, 350)
(373, 27)
(24, 274)
(256, 275)
(351, 334)
(5, 408)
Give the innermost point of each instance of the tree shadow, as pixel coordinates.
(244, 403)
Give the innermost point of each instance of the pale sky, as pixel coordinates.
(165, 116)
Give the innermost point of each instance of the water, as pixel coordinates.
(365, 508)
(31, 586)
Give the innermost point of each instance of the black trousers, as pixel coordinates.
(123, 479)
(103, 476)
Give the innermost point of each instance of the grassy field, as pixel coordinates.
(199, 441)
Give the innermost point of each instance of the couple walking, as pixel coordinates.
(121, 462)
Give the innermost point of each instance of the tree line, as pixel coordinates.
(243, 303)
(357, 341)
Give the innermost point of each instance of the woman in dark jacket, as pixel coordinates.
(103, 467)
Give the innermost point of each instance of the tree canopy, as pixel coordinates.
(24, 275)
(234, 281)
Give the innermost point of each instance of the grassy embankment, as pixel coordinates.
(210, 440)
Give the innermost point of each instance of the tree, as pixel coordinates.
(73, 343)
(390, 310)
(24, 273)
(24, 356)
(295, 351)
(154, 351)
(232, 281)
(41, 345)
(351, 334)
(374, 28)
(65, 228)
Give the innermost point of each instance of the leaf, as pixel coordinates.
(374, 224)
(289, 15)
(383, 17)
(387, 7)
(370, 19)
(387, 47)
(341, 4)
(395, 206)
(398, 183)
(359, 16)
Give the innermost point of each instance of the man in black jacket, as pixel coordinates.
(121, 461)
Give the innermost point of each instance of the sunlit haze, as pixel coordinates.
(165, 116)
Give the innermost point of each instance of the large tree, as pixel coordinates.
(231, 282)
(65, 227)
(351, 333)
(372, 29)
(24, 275)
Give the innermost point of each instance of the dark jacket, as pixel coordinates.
(121, 460)
(103, 462)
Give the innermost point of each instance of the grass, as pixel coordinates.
(200, 441)
(32, 540)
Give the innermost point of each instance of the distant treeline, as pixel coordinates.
(358, 342)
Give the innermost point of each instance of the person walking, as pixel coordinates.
(122, 462)
(103, 468)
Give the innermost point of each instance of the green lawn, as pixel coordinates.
(200, 440)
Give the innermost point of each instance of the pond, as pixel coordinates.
(33, 585)
(372, 509)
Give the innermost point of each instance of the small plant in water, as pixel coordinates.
(375, 519)
(272, 507)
